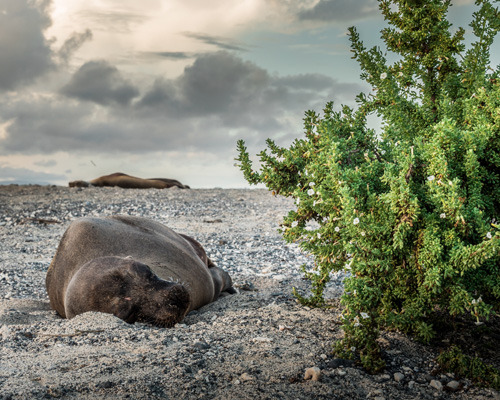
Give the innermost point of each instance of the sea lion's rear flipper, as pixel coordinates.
(222, 281)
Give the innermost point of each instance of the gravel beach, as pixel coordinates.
(257, 344)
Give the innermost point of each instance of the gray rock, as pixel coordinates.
(398, 377)
(453, 385)
(436, 384)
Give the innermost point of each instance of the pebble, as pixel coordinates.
(260, 339)
(436, 384)
(398, 376)
(453, 385)
(245, 377)
(313, 374)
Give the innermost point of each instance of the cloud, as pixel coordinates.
(25, 54)
(171, 55)
(116, 21)
(72, 44)
(100, 82)
(340, 10)
(220, 42)
(219, 98)
(45, 163)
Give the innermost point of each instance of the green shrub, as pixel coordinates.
(411, 211)
(472, 368)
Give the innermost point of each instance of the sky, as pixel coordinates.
(165, 88)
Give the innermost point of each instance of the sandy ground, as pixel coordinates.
(257, 344)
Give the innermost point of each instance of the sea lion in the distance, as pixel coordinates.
(130, 182)
(134, 268)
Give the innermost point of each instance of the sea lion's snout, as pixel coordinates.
(165, 305)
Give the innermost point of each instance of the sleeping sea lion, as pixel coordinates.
(134, 268)
(129, 182)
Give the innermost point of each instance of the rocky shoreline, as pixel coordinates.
(257, 344)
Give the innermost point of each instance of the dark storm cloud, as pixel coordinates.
(72, 44)
(215, 101)
(100, 82)
(340, 10)
(25, 54)
(239, 92)
(217, 41)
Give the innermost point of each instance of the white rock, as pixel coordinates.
(313, 374)
(436, 384)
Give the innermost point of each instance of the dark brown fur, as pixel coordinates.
(130, 182)
(134, 268)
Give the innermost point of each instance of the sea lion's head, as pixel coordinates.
(127, 289)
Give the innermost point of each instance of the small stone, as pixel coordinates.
(341, 372)
(383, 378)
(453, 385)
(436, 384)
(411, 384)
(201, 345)
(398, 376)
(245, 377)
(313, 374)
(261, 339)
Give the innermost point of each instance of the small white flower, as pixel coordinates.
(383, 75)
(311, 184)
(355, 293)
(314, 203)
(310, 192)
(353, 349)
(364, 315)
(450, 183)
(294, 224)
(319, 235)
(337, 229)
(442, 215)
(356, 221)
(431, 178)
(363, 233)
(297, 201)
(488, 235)
(476, 301)
(382, 152)
(400, 73)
